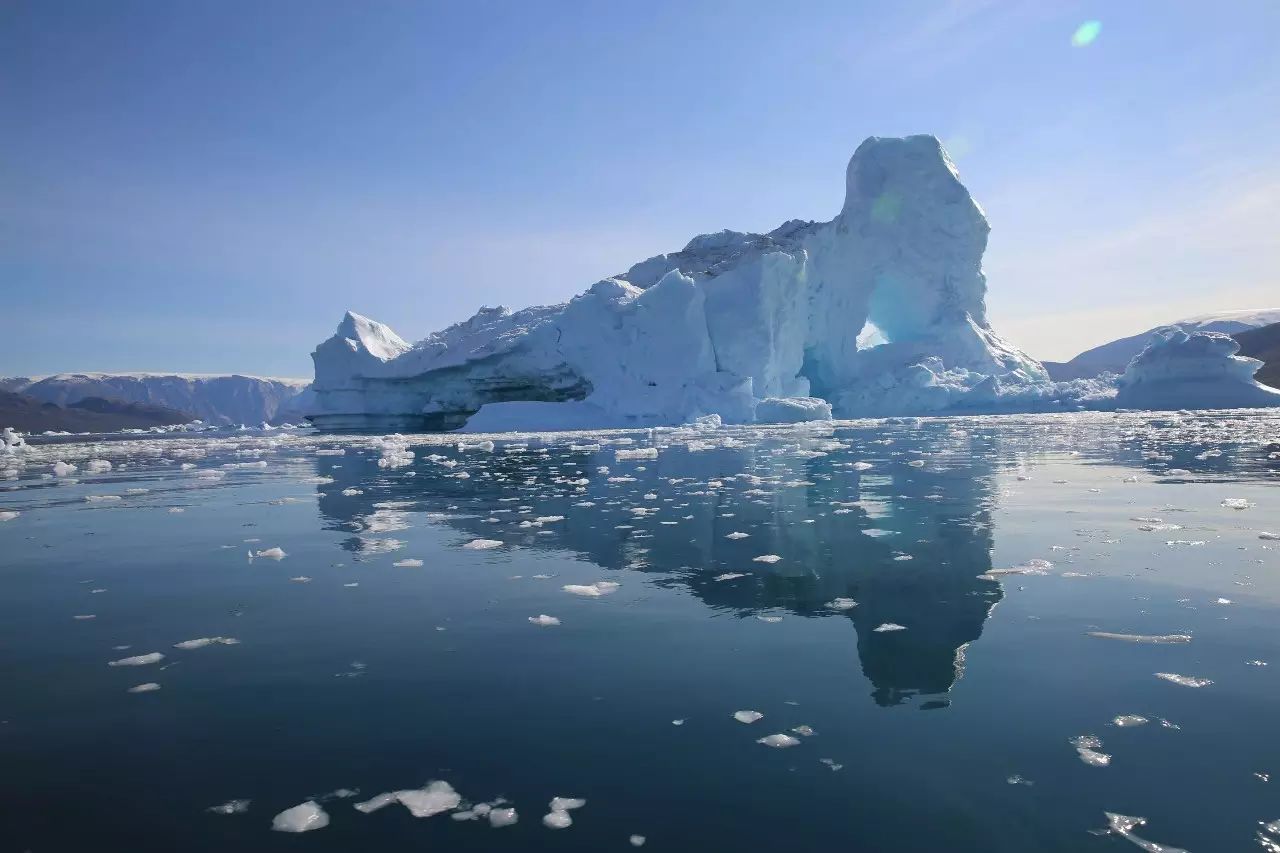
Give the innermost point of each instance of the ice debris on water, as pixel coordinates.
(1088, 748)
(482, 544)
(766, 558)
(636, 840)
(138, 660)
(1129, 720)
(1274, 537)
(728, 576)
(1184, 680)
(592, 590)
(1142, 638)
(544, 620)
(434, 798)
(747, 716)
(148, 687)
(558, 817)
(230, 807)
(779, 741)
(890, 626)
(8, 515)
(408, 563)
(737, 534)
(1123, 826)
(303, 817)
(1237, 503)
(831, 763)
(201, 642)
(841, 604)
(804, 731)
(271, 553)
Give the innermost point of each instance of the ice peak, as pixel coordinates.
(376, 338)
(892, 177)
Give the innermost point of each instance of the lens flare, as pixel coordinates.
(1086, 33)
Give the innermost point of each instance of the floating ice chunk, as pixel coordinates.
(769, 619)
(352, 492)
(63, 469)
(482, 544)
(637, 840)
(1274, 537)
(408, 563)
(831, 762)
(1184, 680)
(638, 453)
(916, 463)
(890, 626)
(1129, 720)
(201, 642)
(303, 817)
(1087, 747)
(1123, 825)
(564, 804)
(148, 687)
(544, 620)
(8, 515)
(138, 660)
(841, 604)
(374, 803)
(557, 820)
(1015, 779)
(728, 576)
(1223, 601)
(677, 722)
(737, 534)
(271, 553)
(747, 716)
(779, 741)
(85, 616)
(301, 579)
(1160, 639)
(502, 817)
(804, 731)
(433, 799)
(766, 558)
(230, 807)
(1237, 503)
(98, 499)
(592, 590)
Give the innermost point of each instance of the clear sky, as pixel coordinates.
(207, 186)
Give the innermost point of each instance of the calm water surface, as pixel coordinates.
(359, 669)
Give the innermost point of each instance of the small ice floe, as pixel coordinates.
(1223, 601)
(1087, 747)
(1123, 826)
(1184, 680)
(1125, 721)
(677, 722)
(482, 544)
(804, 731)
(1237, 503)
(63, 469)
(779, 741)
(8, 515)
(770, 619)
(303, 817)
(558, 817)
(766, 558)
(1165, 724)
(271, 553)
(737, 534)
(408, 563)
(916, 463)
(592, 590)
(544, 620)
(890, 626)
(1158, 639)
(831, 762)
(434, 798)
(747, 716)
(201, 642)
(351, 493)
(1274, 537)
(1015, 779)
(728, 576)
(636, 840)
(1246, 663)
(148, 687)
(352, 585)
(138, 660)
(301, 579)
(174, 510)
(841, 604)
(101, 499)
(85, 616)
(502, 817)
(230, 807)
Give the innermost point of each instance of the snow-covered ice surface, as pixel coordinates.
(1063, 581)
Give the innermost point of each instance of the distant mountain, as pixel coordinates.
(1263, 344)
(91, 414)
(214, 399)
(1115, 356)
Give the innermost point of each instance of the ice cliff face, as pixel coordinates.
(214, 399)
(879, 311)
(1193, 370)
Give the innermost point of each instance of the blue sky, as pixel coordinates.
(207, 186)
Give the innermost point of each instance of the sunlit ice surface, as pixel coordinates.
(964, 634)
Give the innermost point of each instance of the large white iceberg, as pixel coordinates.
(1200, 370)
(879, 311)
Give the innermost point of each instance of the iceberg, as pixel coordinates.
(879, 311)
(1196, 370)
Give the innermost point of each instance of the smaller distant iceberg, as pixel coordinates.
(1192, 370)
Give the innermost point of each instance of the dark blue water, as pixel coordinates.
(435, 672)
